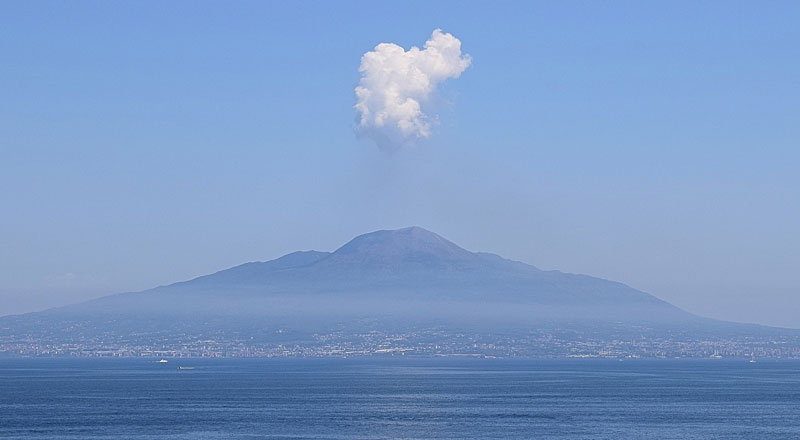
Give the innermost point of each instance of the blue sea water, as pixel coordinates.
(398, 398)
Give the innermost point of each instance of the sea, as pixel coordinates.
(398, 398)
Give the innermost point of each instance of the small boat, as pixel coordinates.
(186, 368)
(162, 361)
(753, 361)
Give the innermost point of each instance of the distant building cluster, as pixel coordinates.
(422, 342)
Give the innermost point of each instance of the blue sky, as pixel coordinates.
(654, 144)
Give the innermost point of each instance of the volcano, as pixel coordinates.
(403, 281)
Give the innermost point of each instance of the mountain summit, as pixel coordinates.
(407, 245)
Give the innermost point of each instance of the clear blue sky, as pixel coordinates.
(654, 143)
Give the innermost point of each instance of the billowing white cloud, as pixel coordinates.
(396, 84)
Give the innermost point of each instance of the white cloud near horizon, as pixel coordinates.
(396, 85)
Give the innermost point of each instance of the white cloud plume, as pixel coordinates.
(396, 84)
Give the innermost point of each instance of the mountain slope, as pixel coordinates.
(398, 275)
(413, 263)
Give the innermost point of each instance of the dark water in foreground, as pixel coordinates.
(398, 398)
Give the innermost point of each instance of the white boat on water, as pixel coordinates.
(162, 361)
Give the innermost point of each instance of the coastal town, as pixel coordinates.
(423, 342)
